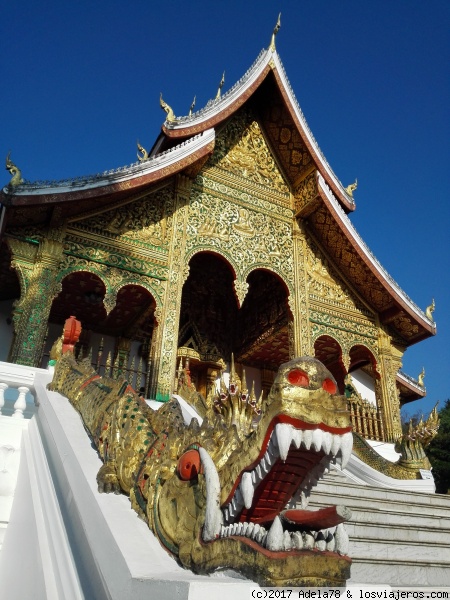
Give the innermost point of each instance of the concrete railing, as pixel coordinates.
(17, 393)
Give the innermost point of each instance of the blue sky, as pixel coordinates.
(81, 83)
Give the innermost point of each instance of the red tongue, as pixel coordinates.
(278, 487)
(318, 519)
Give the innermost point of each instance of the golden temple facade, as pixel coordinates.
(231, 237)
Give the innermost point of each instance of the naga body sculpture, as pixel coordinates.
(224, 494)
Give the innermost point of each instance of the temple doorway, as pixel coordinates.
(118, 343)
(213, 328)
(329, 352)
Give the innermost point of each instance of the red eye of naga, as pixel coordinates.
(298, 377)
(329, 386)
(189, 465)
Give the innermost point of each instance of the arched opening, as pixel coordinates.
(208, 318)
(329, 352)
(363, 371)
(360, 390)
(118, 343)
(9, 293)
(212, 328)
(262, 335)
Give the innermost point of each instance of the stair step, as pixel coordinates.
(396, 537)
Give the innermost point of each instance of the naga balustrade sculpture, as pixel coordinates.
(226, 494)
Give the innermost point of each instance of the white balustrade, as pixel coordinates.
(3, 388)
(21, 403)
(17, 390)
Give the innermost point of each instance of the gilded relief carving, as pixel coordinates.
(334, 309)
(113, 278)
(144, 221)
(249, 239)
(38, 288)
(360, 275)
(306, 197)
(325, 285)
(165, 371)
(242, 149)
(82, 249)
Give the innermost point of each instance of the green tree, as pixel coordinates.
(438, 451)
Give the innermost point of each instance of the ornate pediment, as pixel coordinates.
(145, 220)
(325, 285)
(242, 149)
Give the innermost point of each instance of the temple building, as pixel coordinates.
(225, 251)
(230, 237)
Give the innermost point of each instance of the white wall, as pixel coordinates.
(365, 385)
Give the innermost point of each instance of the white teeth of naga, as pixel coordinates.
(276, 539)
(275, 536)
(280, 442)
(213, 514)
(346, 448)
(247, 489)
(341, 538)
(285, 434)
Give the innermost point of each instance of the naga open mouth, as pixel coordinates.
(261, 508)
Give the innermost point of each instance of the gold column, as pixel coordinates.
(155, 355)
(167, 338)
(39, 287)
(299, 306)
(387, 393)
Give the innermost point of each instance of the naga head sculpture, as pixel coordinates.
(232, 492)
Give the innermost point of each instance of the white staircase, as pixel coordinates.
(398, 538)
(64, 540)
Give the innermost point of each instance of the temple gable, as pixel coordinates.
(241, 149)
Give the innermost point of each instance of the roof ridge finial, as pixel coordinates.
(143, 152)
(222, 81)
(276, 29)
(191, 108)
(167, 109)
(15, 172)
(421, 377)
(430, 310)
(351, 188)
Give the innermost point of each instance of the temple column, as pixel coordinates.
(387, 393)
(299, 304)
(39, 287)
(165, 348)
(154, 355)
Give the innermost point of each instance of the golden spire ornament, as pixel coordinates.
(167, 109)
(351, 188)
(274, 34)
(15, 172)
(192, 106)
(144, 154)
(421, 377)
(219, 91)
(430, 310)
